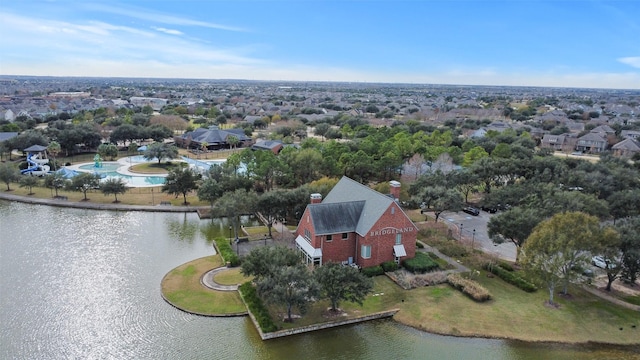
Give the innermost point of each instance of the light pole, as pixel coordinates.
(265, 239)
(238, 247)
(229, 234)
(461, 225)
(473, 239)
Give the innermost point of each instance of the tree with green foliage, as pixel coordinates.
(55, 181)
(54, 149)
(8, 174)
(180, 181)
(272, 206)
(210, 190)
(233, 141)
(630, 248)
(515, 225)
(29, 182)
(439, 199)
(232, 204)
(160, 151)
(609, 249)
(265, 260)
(474, 155)
(113, 186)
(108, 151)
(83, 183)
(559, 244)
(292, 286)
(342, 283)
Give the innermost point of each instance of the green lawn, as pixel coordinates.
(182, 288)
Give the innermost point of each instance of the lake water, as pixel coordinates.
(82, 284)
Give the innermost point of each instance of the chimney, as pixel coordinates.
(316, 198)
(395, 189)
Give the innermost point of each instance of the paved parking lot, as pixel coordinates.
(474, 232)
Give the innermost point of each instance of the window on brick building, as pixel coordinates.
(307, 235)
(398, 239)
(329, 238)
(345, 236)
(365, 251)
(393, 210)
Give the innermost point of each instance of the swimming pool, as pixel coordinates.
(110, 170)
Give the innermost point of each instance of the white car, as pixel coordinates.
(599, 262)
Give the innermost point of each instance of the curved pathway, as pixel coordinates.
(208, 281)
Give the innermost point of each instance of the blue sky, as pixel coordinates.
(577, 43)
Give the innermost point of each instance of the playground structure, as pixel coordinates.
(37, 161)
(97, 161)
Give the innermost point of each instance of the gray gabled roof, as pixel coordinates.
(627, 144)
(215, 136)
(7, 135)
(35, 148)
(336, 218)
(375, 203)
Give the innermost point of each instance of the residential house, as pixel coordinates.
(626, 148)
(213, 138)
(356, 225)
(630, 134)
(563, 142)
(272, 145)
(592, 143)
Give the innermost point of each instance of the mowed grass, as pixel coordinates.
(512, 313)
(182, 288)
(133, 196)
(231, 277)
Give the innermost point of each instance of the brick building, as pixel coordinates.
(356, 225)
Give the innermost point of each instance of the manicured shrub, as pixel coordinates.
(226, 251)
(372, 271)
(420, 264)
(511, 277)
(505, 265)
(257, 308)
(469, 287)
(389, 266)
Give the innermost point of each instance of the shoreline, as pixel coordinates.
(99, 206)
(176, 209)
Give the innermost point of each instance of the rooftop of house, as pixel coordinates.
(362, 208)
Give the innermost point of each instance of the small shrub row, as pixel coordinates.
(372, 271)
(505, 265)
(511, 277)
(420, 264)
(226, 251)
(257, 308)
(431, 279)
(389, 266)
(469, 287)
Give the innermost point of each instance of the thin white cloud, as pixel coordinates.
(149, 15)
(167, 31)
(631, 60)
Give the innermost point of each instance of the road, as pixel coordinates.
(474, 232)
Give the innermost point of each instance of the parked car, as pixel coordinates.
(599, 262)
(489, 209)
(471, 210)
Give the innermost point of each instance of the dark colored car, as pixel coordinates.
(471, 210)
(489, 209)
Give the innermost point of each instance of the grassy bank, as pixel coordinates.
(512, 314)
(133, 196)
(182, 288)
